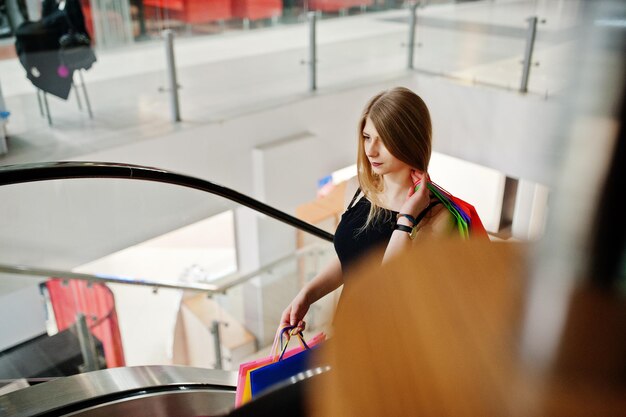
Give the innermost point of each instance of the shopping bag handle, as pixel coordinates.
(278, 338)
(277, 346)
(287, 330)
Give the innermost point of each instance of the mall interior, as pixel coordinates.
(172, 173)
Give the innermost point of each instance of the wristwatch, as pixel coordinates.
(412, 231)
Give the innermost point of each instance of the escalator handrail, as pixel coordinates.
(47, 171)
(69, 394)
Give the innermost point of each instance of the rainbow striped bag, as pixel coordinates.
(468, 222)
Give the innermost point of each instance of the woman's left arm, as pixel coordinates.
(416, 202)
(441, 224)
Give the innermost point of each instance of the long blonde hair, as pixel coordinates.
(403, 123)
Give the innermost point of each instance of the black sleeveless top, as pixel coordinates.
(351, 245)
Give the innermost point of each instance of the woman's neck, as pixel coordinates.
(396, 188)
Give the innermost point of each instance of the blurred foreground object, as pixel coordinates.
(440, 336)
(477, 329)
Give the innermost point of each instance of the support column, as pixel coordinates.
(531, 207)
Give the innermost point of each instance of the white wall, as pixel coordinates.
(482, 187)
(285, 170)
(520, 136)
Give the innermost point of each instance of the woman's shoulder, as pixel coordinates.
(360, 205)
(359, 199)
(352, 192)
(439, 222)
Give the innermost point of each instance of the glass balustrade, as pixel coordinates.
(367, 53)
(247, 56)
(483, 43)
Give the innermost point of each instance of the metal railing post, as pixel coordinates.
(141, 16)
(39, 101)
(171, 75)
(87, 345)
(47, 108)
(84, 87)
(80, 106)
(412, 24)
(217, 343)
(312, 17)
(528, 54)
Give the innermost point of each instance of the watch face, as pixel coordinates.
(413, 233)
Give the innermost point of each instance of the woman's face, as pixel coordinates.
(381, 160)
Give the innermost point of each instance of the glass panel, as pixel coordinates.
(473, 42)
(225, 69)
(153, 233)
(246, 82)
(555, 46)
(356, 58)
(485, 42)
(222, 68)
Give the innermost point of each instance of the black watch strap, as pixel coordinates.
(410, 230)
(403, 228)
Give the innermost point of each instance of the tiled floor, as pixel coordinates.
(233, 73)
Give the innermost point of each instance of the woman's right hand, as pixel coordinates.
(294, 314)
(417, 201)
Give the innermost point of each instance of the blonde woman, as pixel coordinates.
(394, 150)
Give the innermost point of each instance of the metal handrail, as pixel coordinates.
(47, 171)
(227, 281)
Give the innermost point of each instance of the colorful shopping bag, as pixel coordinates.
(467, 221)
(268, 376)
(244, 392)
(476, 228)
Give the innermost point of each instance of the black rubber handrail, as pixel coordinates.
(46, 171)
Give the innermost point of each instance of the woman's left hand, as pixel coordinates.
(417, 201)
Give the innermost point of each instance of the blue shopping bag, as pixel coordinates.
(266, 377)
